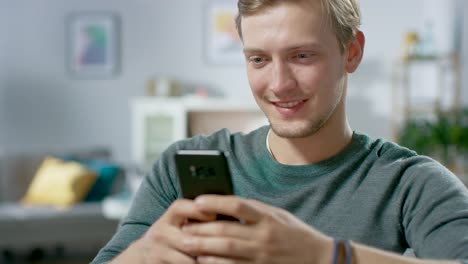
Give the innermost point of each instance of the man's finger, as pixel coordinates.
(220, 246)
(220, 228)
(214, 259)
(184, 209)
(234, 206)
(169, 245)
(169, 255)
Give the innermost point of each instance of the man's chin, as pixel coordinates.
(294, 130)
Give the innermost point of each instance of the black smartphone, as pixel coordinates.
(204, 172)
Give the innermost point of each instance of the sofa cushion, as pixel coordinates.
(60, 183)
(17, 169)
(107, 172)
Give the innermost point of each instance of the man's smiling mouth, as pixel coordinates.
(290, 104)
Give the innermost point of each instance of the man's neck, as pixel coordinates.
(325, 143)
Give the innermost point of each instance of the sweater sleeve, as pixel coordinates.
(156, 193)
(434, 211)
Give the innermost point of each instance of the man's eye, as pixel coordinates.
(303, 55)
(256, 59)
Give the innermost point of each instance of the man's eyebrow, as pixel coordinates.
(293, 47)
(252, 50)
(304, 45)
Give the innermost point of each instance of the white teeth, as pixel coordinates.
(289, 104)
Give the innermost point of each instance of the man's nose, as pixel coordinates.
(282, 79)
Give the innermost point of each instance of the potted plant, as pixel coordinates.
(444, 138)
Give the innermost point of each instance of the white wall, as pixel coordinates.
(46, 108)
(370, 87)
(3, 32)
(465, 54)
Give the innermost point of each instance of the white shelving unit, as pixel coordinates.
(157, 122)
(423, 86)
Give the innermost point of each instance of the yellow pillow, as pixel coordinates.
(59, 183)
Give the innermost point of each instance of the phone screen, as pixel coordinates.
(203, 172)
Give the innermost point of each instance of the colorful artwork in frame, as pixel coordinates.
(93, 48)
(223, 45)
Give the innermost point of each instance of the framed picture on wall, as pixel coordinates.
(222, 43)
(93, 45)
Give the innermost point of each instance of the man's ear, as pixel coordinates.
(355, 52)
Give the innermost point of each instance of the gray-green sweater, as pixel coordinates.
(373, 192)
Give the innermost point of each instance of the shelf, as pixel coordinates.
(422, 86)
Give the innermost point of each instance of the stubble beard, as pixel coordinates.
(305, 128)
(287, 130)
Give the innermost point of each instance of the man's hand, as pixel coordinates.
(266, 235)
(163, 242)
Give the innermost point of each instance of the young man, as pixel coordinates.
(306, 179)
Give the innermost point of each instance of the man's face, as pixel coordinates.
(295, 68)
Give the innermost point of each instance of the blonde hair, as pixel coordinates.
(343, 15)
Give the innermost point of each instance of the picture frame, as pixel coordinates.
(222, 43)
(93, 45)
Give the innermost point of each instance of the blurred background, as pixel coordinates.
(114, 82)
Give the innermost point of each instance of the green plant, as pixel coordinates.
(460, 135)
(416, 134)
(439, 138)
